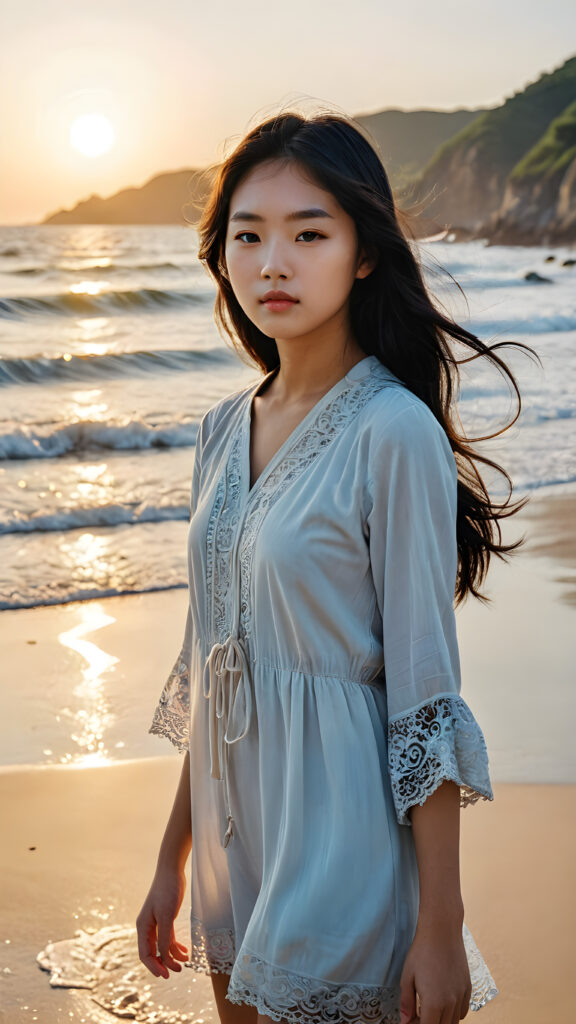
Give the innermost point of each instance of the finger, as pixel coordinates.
(178, 951)
(430, 1014)
(181, 945)
(165, 935)
(155, 966)
(166, 940)
(407, 1002)
(146, 932)
(448, 1015)
(175, 956)
(147, 953)
(169, 961)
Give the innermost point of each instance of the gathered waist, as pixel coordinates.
(230, 677)
(377, 680)
(261, 668)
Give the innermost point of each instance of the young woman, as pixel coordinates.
(336, 514)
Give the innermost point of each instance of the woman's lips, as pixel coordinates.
(277, 305)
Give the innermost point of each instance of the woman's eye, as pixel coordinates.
(243, 234)
(316, 233)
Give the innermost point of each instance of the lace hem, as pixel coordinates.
(303, 1000)
(213, 949)
(440, 740)
(172, 714)
(300, 999)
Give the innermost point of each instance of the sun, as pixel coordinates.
(92, 134)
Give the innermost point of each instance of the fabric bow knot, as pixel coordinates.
(227, 687)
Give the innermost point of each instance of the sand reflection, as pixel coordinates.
(93, 717)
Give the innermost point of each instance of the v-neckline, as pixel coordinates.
(352, 375)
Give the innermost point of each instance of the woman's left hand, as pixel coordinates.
(436, 969)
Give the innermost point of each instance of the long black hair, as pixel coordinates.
(392, 315)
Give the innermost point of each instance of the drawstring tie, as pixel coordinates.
(227, 687)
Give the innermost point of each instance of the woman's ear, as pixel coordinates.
(222, 265)
(366, 264)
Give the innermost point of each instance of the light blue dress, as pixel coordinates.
(318, 692)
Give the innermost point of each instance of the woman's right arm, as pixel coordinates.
(157, 947)
(155, 922)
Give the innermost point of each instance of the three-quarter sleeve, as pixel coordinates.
(172, 713)
(412, 496)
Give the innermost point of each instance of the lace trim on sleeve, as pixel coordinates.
(172, 714)
(440, 740)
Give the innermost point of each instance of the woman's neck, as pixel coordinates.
(302, 376)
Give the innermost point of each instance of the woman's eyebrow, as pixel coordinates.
(313, 212)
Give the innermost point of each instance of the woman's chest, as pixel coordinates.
(303, 534)
(270, 429)
(282, 508)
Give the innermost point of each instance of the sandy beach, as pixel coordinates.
(80, 837)
(80, 850)
(553, 536)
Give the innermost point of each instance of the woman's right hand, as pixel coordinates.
(158, 948)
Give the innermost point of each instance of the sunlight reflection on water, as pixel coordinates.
(93, 717)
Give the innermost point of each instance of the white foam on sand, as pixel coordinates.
(110, 982)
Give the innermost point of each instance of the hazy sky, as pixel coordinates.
(181, 81)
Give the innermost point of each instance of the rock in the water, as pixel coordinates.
(533, 276)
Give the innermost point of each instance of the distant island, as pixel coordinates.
(505, 174)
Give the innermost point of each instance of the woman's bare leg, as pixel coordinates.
(231, 1013)
(235, 1013)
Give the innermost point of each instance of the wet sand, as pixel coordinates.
(552, 535)
(79, 852)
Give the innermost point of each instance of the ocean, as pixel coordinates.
(109, 356)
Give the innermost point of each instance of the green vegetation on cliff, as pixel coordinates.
(506, 133)
(553, 152)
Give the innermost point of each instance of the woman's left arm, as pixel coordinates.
(437, 755)
(436, 966)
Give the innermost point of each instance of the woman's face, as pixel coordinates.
(286, 233)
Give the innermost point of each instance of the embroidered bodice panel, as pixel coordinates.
(327, 425)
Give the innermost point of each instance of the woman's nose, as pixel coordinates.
(275, 262)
